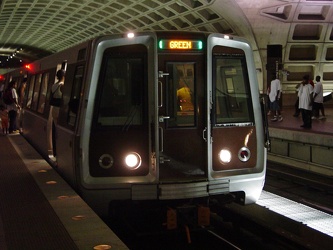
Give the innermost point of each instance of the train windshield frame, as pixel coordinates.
(122, 92)
(231, 91)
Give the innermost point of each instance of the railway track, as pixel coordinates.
(234, 226)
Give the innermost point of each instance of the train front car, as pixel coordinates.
(171, 116)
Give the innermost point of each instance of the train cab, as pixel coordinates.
(173, 116)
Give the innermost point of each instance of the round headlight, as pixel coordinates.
(225, 156)
(133, 160)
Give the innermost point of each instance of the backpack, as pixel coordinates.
(8, 97)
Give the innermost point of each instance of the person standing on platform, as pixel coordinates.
(318, 100)
(305, 95)
(21, 93)
(55, 102)
(13, 108)
(56, 95)
(274, 97)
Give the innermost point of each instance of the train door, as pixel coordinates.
(232, 114)
(52, 124)
(182, 121)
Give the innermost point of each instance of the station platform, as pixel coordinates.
(289, 122)
(39, 210)
(307, 149)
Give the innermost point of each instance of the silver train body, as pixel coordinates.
(152, 116)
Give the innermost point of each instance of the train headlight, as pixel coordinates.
(225, 156)
(244, 154)
(133, 160)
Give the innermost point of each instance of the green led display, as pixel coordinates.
(173, 44)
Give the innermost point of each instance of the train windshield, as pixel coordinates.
(122, 89)
(232, 98)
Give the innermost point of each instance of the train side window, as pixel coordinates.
(232, 98)
(122, 86)
(76, 94)
(31, 90)
(35, 94)
(31, 85)
(42, 93)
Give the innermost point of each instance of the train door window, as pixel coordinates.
(181, 94)
(122, 78)
(42, 93)
(232, 98)
(75, 96)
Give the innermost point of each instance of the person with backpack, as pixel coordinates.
(11, 99)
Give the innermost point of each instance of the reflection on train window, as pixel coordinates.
(122, 81)
(36, 92)
(73, 104)
(232, 100)
(30, 92)
(181, 94)
(42, 93)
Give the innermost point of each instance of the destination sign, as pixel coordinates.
(180, 44)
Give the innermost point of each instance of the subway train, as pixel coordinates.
(150, 116)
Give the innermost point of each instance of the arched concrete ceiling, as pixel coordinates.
(30, 29)
(52, 26)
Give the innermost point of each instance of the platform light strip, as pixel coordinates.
(311, 217)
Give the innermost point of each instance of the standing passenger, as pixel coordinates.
(305, 95)
(318, 100)
(56, 93)
(13, 108)
(274, 97)
(21, 93)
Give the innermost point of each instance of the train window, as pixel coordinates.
(22, 91)
(75, 96)
(181, 94)
(31, 90)
(42, 93)
(36, 92)
(232, 99)
(122, 79)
